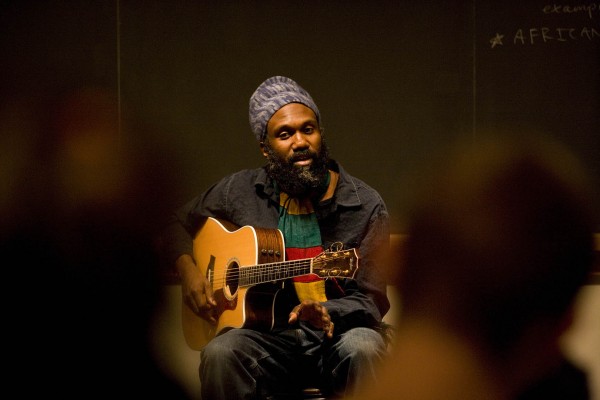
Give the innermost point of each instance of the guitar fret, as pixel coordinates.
(255, 274)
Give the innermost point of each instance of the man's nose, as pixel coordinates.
(299, 140)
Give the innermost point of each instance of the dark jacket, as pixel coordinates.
(356, 215)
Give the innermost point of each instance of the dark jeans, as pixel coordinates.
(247, 364)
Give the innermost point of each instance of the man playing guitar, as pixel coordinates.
(323, 316)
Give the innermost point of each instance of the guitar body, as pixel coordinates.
(246, 268)
(220, 253)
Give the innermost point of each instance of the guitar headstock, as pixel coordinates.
(336, 263)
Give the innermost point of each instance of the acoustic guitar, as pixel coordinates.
(246, 267)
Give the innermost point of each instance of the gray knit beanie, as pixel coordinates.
(270, 96)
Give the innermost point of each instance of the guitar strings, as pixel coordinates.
(265, 272)
(254, 274)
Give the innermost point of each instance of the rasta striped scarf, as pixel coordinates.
(300, 228)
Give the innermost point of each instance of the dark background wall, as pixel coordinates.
(395, 80)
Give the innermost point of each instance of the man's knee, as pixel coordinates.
(362, 341)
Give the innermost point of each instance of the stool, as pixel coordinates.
(313, 393)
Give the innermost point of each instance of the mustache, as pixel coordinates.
(302, 155)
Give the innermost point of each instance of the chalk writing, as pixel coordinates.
(589, 9)
(496, 40)
(545, 35)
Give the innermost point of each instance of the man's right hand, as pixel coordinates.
(196, 290)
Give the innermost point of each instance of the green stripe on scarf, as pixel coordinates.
(300, 228)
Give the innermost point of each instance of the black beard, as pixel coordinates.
(298, 181)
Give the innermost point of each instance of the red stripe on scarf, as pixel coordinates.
(295, 253)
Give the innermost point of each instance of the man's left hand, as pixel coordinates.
(315, 314)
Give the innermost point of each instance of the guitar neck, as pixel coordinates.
(255, 274)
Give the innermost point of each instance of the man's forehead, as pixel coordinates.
(293, 113)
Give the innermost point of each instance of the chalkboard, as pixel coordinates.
(537, 67)
(395, 80)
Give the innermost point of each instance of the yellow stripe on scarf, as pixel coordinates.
(311, 290)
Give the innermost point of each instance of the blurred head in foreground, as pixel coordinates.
(82, 209)
(499, 243)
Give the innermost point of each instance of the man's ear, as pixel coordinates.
(263, 149)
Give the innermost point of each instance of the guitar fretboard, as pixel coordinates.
(255, 274)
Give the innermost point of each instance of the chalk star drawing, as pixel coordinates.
(496, 40)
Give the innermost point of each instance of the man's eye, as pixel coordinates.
(283, 135)
(309, 129)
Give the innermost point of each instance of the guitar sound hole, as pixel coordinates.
(232, 279)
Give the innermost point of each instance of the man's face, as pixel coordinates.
(296, 153)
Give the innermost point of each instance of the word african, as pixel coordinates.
(544, 35)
